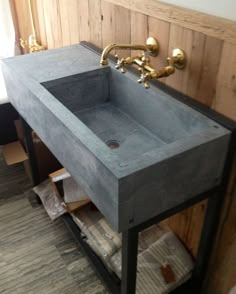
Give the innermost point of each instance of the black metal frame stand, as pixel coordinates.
(130, 237)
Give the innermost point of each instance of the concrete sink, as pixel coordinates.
(136, 152)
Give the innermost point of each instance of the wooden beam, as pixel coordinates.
(214, 26)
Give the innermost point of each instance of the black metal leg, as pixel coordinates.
(129, 261)
(31, 153)
(208, 236)
(29, 145)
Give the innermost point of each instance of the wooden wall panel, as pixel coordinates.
(206, 89)
(23, 17)
(64, 21)
(161, 30)
(73, 17)
(225, 101)
(209, 76)
(95, 22)
(220, 28)
(122, 28)
(192, 43)
(108, 23)
(83, 12)
(39, 21)
(138, 30)
(52, 23)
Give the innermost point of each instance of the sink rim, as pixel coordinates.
(100, 150)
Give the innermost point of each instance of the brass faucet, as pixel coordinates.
(151, 47)
(147, 72)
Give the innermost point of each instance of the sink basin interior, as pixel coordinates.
(127, 118)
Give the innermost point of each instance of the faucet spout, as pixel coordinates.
(151, 47)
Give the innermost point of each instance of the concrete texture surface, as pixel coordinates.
(167, 151)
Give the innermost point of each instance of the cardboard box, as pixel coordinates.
(16, 152)
(56, 179)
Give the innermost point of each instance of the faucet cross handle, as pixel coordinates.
(120, 64)
(144, 77)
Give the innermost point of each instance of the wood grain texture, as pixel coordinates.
(74, 21)
(95, 22)
(39, 21)
(23, 18)
(187, 225)
(69, 20)
(217, 27)
(225, 100)
(16, 24)
(52, 23)
(122, 29)
(108, 23)
(161, 30)
(206, 90)
(139, 29)
(83, 12)
(64, 20)
(192, 43)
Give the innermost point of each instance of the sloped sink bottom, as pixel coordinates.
(111, 125)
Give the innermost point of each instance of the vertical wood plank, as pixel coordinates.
(52, 23)
(187, 225)
(64, 20)
(73, 18)
(39, 21)
(192, 72)
(210, 65)
(95, 22)
(122, 29)
(160, 30)
(35, 18)
(16, 25)
(23, 17)
(84, 25)
(108, 23)
(225, 101)
(186, 80)
(69, 21)
(139, 30)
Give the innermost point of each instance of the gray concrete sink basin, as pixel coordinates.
(136, 152)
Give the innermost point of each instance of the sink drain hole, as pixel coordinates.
(113, 144)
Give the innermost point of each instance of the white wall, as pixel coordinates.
(222, 8)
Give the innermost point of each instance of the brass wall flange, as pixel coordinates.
(179, 58)
(153, 46)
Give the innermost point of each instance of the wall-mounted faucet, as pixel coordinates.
(151, 47)
(147, 72)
